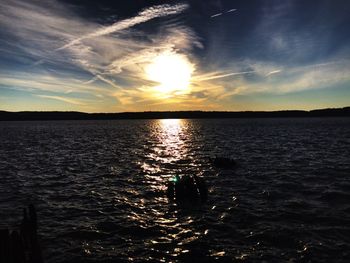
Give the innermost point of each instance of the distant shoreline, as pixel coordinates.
(71, 115)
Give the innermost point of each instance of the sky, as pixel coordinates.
(155, 55)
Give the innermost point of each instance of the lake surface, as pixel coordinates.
(99, 188)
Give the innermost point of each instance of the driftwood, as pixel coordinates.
(21, 245)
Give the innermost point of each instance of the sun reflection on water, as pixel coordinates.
(170, 149)
(167, 148)
(171, 138)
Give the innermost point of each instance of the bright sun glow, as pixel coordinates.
(172, 71)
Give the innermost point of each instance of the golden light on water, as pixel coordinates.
(170, 138)
(173, 73)
(168, 146)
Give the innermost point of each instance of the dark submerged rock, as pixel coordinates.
(21, 246)
(223, 162)
(187, 189)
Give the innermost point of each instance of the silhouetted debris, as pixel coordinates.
(72, 115)
(223, 162)
(21, 246)
(187, 189)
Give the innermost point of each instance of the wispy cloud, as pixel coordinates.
(143, 16)
(292, 79)
(56, 54)
(100, 58)
(64, 99)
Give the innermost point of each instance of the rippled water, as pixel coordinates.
(99, 189)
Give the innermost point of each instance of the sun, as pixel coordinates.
(173, 73)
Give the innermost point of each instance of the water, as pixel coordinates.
(99, 189)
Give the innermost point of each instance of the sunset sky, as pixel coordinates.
(142, 55)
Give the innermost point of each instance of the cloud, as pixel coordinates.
(143, 16)
(221, 88)
(293, 79)
(54, 52)
(43, 81)
(96, 59)
(313, 77)
(64, 99)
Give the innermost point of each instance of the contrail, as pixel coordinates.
(143, 16)
(108, 81)
(219, 14)
(71, 101)
(273, 72)
(224, 75)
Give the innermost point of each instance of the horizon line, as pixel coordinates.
(75, 115)
(178, 111)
